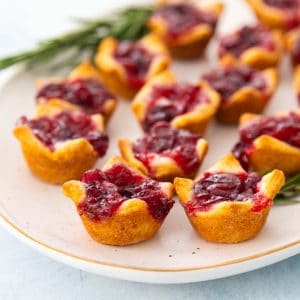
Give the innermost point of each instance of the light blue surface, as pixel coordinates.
(26, 274)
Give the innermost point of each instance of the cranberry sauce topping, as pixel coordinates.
(180, 18)
(168, 142)
(106, 191)
(214, 188)
(169, 101)
(295, 52)
(284, 128)
(245, 38)
(89, 94)
(227, 80)
(136, 61)
(65, 126)
(283, 4)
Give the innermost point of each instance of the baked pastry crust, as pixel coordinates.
(130, 224)
(248, 99)
(195, 121)
(114, 75)
(258, 57)
(232, 221)
(68, 161)
(271, 16)
(163, 168)
(85, 70)
(269, 153)
(192, 43)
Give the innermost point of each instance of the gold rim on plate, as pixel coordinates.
(97, 262)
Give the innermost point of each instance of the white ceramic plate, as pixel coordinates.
(39, 214)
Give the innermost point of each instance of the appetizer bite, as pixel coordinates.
(254, 45)
(184, 26)
(119, 205)
(165, 152)
(226, 204)
(269, 142)
(60, 145)
(183, 105)
(126, 66)
(83, 89)
(241, 89)
(281, 14)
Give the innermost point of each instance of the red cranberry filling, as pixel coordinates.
(89, 94)
(65, 126)
(166, 141)
(181, 18)
(286, 129)
(169, 101)
(283, 4)
(214, 188)
(106, 191)
(136, 61)
(295, 53)
(226, 81)
(245, 38)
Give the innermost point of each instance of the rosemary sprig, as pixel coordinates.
(290, 190)
(127, 24)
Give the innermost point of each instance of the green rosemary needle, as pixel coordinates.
(290, 191)
(126, 24)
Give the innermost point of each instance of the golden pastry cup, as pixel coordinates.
(68, 161)
(130, 224)
(195, 121)
(269, 153)
(230, 222)
(270, 16)
(162, 168)
(192, 43)
(258, 57)
(248, 99)
(114, 75)
(85, 70)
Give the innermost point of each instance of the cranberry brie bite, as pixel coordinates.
(83, 90)
(165, 152)
(226, 204)
(183, 105)
(269, 142)
(184, 26)
(254, 45)
(60, 145)
(281, 14)
(241, 89)
(126, 65)
(119, 205)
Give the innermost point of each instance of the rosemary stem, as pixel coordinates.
(127, 24)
